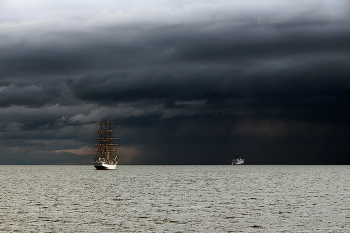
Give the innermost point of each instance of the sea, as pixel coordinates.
(221, 198)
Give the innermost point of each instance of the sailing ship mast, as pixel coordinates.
(106, 152)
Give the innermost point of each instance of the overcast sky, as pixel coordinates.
(187, 82)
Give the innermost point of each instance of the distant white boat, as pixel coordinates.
(238, 161)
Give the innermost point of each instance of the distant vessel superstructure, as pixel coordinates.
(106, 152)
(238, 161)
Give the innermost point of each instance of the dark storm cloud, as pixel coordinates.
(304, 90)
(138, 45)
(36, 93)
(183, 80)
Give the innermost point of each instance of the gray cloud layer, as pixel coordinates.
(187, 83)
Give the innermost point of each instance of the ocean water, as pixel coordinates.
(175, 199)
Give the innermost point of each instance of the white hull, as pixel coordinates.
(238, 162)
(105, 166)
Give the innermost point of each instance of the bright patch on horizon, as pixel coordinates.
(81, 151)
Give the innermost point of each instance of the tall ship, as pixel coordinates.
(238, 161)
(106, 150)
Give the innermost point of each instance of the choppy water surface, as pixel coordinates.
(175, 199)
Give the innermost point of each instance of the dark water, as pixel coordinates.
(175, 199)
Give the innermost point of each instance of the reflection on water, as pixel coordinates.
(175, 199)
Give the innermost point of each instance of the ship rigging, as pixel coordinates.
(106, 150)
